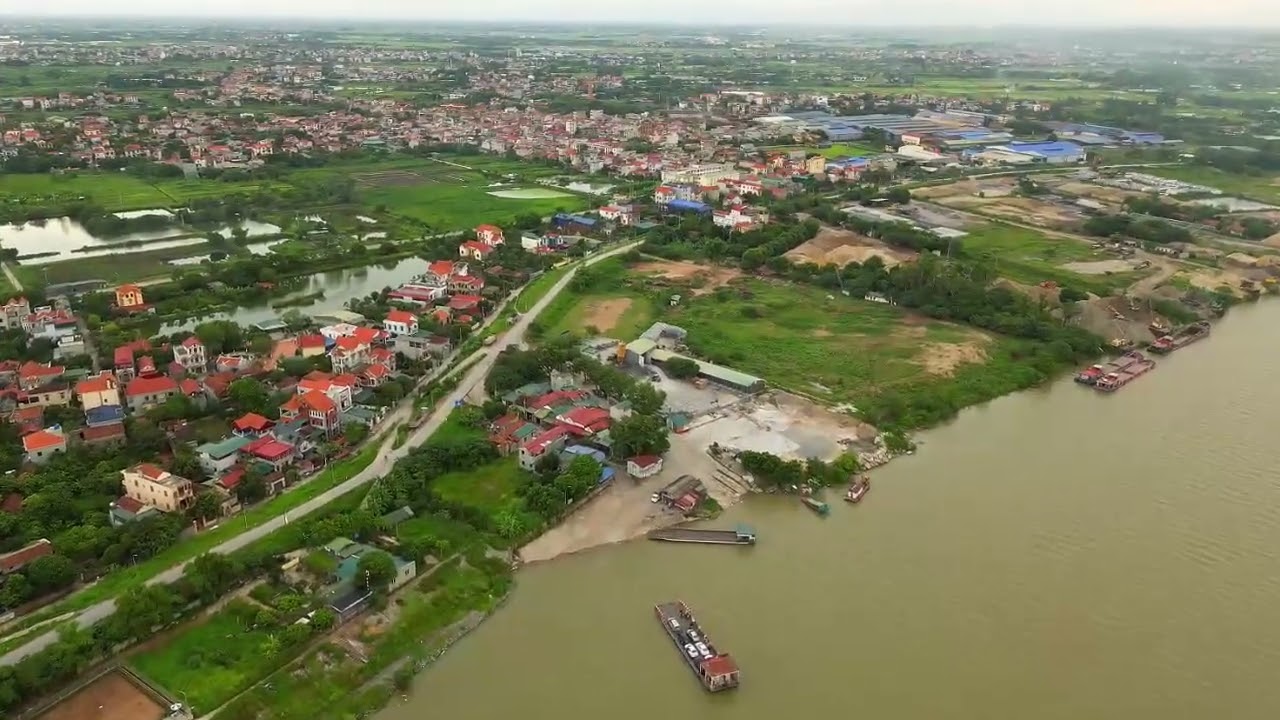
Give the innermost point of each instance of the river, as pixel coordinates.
(1055, 554)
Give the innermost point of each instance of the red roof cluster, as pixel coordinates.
(150, 386)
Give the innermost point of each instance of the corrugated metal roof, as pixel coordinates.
(713, 371)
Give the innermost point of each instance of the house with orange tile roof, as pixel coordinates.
(41, 445)
(400, 322)
(316, 408)
(490, 235)
(98, 390)
(142, 393)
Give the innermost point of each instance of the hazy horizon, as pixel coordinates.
(1243, 14)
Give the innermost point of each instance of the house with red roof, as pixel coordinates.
(105, 434)
(490, 235)
(585, 421)
(129, 298)
(311, 345)
(239, 363)
(374, 375)
(251, 425)
(466, 284)
(32, 375)
(13, 311)
(266, 449)
(41, 445)
(28, 419)
(439, 271)
(316, 408)
(474, 250)
(12, 562)
(348, 353)
(142, 393)
(540, 445)
(400, 322)
(192, 355)
(509, 431)
(123, 361)
(464, 303)
(644, 466)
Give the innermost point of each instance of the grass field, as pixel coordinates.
(452, 206)
(796, 337)
(485, 488)
(113, 191)
(622, 315)
(125, 267)
(212, 662)
(457, 534)
(834, 151)
(1263, 188)
(1029, 257)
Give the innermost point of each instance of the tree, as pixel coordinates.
(49, 573)
(211, 575)
(208, 506)
(252, 487)
(682, 368)
(355, 433)
(640, 435)
(320, 564)
(375, 570)
(324, 619)
(250, 395)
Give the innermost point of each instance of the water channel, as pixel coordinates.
(64, 236)
(1055, 554)
(339, 286)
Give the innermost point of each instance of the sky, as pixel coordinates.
(1189, 13)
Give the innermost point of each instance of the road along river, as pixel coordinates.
(1057, 554)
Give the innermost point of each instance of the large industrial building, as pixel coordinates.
(657, 346)
(1058, 152)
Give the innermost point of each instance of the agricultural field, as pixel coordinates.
(486, 488)
(789, 334)
(211, 662)
(1263, 188)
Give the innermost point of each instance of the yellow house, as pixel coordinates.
(101, 389)
(816, 164)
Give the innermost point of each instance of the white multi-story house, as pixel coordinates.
(191, 355)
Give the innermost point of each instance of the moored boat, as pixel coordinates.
(816, 505)
(857, 489)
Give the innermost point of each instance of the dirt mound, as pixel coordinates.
(1273, 241)
(1035, 292)
(604, 314)
(841, 247)
(705, 277)
(1115, 318)
(944, 358)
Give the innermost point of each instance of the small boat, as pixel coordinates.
(857, 489)
(816, 505)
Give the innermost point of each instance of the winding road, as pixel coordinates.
(387, 457)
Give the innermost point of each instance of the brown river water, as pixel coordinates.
(1055, 554)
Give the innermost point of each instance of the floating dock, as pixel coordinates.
(1116, 380)
(1182, 338)
(741, 535)
(715, 670)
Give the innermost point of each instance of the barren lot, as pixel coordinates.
(1042, 213)
(111, 697)
(832, 246)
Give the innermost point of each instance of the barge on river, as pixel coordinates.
(1092, 374)
(857, 489)
(1182, 338)
(1116, 380)
(741, 535)
(715, 670)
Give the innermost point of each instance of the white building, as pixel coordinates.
(700, 174)
(191, 355)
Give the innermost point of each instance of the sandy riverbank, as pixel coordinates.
(780, 423)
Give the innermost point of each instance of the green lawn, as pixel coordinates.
(797, 337)
(125, 267)
(118, 580)
(446, 206)
(210, 663)
(486, 488)
(847, 149)
(112, 190)
(184, 191)
(1029, 257)
(458, 534)
(1263, 188)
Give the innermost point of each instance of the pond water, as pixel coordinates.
(339, 286)
(64, 236)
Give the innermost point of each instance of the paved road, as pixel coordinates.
(379, 467)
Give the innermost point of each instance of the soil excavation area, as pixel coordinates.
(110, 697)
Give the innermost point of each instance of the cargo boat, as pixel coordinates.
(1182, 338)
(715, 670)
(1092, 374)
(1116, 380)
(741, 535)
(815, 505)
(857, 489)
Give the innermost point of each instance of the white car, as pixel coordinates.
(693, 635)
(654, 498)
(702, 648)
(691, 650)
